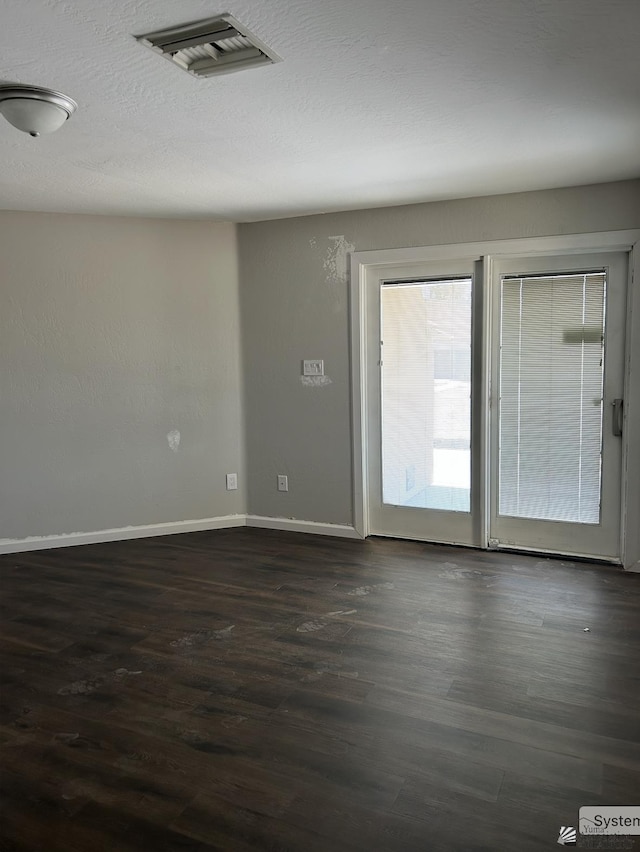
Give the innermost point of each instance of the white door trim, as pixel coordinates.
(363, 261)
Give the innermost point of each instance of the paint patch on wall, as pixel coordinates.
(315, 381)
(336, 260)
(173, 439)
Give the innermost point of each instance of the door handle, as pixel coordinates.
(618, 409)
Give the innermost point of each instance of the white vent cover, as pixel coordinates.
(213, 46)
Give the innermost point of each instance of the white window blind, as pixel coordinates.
(551, 383)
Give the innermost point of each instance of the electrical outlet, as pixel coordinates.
(232, 481)
(283, 482)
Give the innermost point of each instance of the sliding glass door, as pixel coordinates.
(493, 405)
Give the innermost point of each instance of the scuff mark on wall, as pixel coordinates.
(336, 260)
(173, 439)
(315, 381)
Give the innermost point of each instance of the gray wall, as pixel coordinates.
(294, 306)
(114, 333)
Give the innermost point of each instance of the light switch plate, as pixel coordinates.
(314, 367)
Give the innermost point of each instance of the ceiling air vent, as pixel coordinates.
(213, 46)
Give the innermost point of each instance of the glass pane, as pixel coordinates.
(426, 394)
(551, 385)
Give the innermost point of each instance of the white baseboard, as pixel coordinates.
(291, 525)
(635, 569)
(21, 545)
(47, 542)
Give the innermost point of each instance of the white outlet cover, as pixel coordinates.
(283, 482)
(313, 367)
(232, 481)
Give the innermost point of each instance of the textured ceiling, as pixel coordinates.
(375, 103)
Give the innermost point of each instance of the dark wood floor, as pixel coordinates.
(245, 689)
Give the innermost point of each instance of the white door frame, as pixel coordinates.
(363, 263)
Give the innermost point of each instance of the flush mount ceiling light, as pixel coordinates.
(214, 46)
(35, 110)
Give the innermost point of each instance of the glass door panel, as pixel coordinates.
(551, 385)
(420, 425)
(426, 394)
(558, 366)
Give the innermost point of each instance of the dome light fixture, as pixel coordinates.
(35, 110)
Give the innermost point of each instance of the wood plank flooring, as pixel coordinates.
(254, 690)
